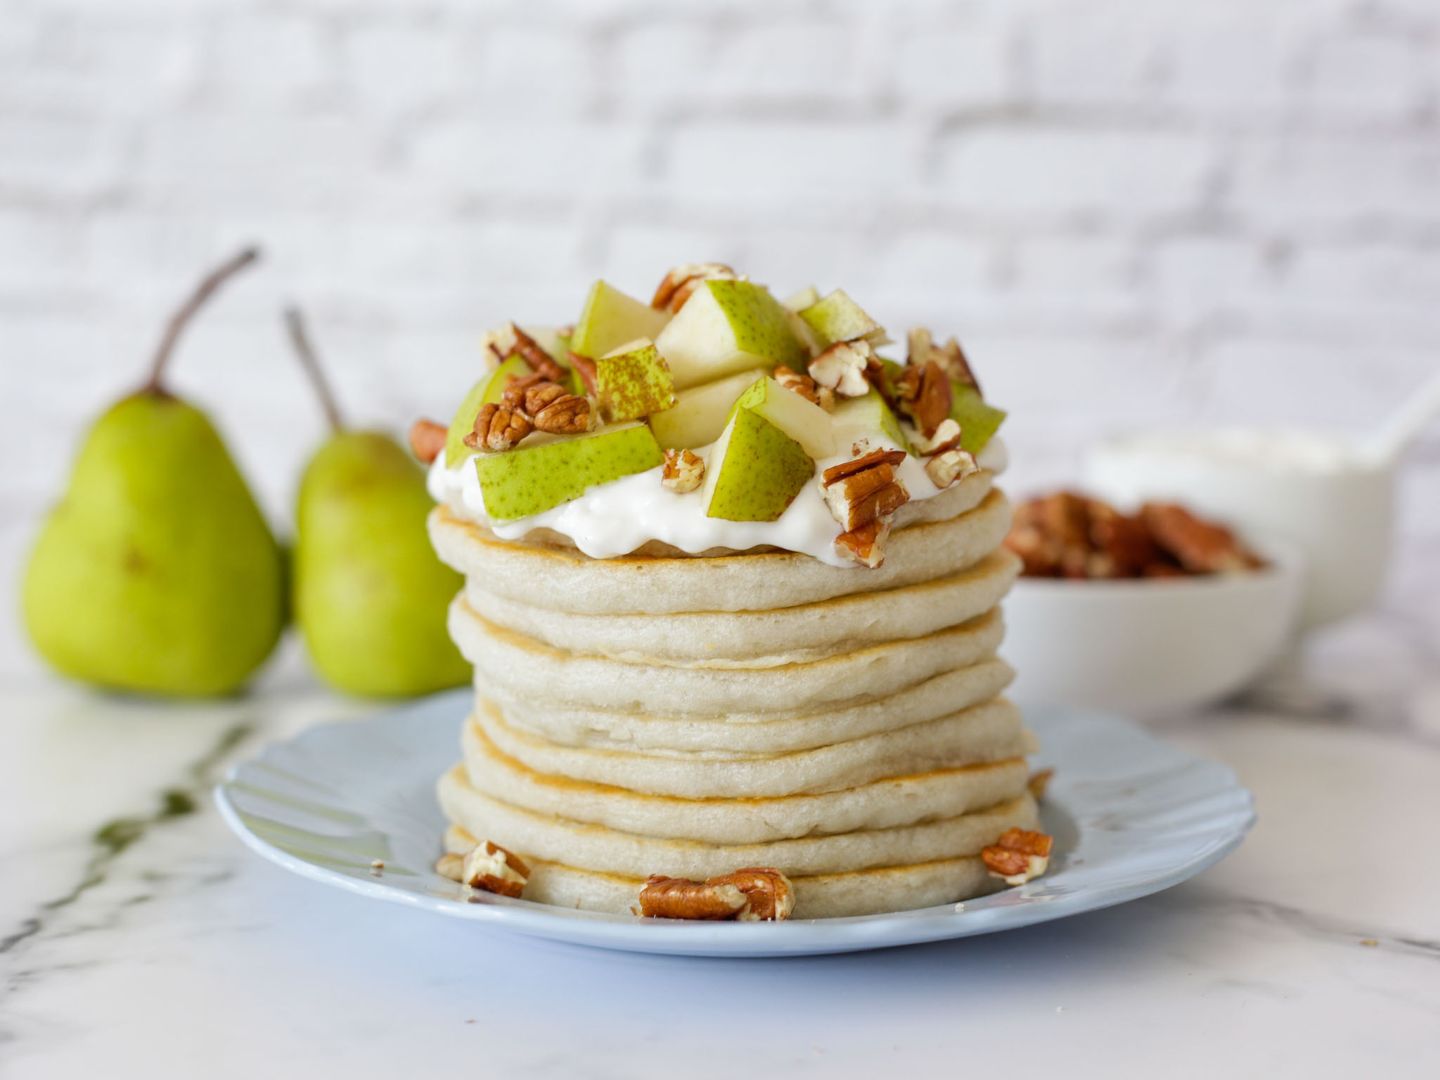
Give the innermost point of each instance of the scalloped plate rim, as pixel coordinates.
(1048, 898)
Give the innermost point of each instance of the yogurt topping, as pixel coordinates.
(614, 519)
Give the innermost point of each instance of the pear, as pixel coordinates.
(864, 417)
(755, 470)
(728, 326)
(804, 421)
(548, 470)
(610, 318)
(157, 573)
(700, 413)
(836, 317)
(370, 596)
(633, 381)
(978, 421)
(798, 301)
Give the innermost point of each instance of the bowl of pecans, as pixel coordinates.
(1155, 610)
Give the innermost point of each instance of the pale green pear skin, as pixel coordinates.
(156, 573)
(370, 596)
(633, 383)
(978, 421)
(728, 326)
(804, 421)
(836, 317)
(755, 470)
(543, 473)
(610, 318)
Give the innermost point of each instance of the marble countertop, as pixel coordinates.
(136, 935)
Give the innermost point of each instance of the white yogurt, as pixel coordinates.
(614, 519)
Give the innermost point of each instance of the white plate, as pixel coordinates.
(1131, 815)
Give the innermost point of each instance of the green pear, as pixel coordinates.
(864, 418)
(610, 318)
(804, 421)
(547, 470)
(370, 596)
(700, 413)
(755, 470)
(729, 326)
(836, 317)
(157, 573)
(978, 421)
(633, 381)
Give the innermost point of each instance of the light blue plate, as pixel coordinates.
(1131, 815)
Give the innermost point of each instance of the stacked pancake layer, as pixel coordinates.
(687, 716)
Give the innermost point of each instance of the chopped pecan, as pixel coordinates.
(950, 467)
(1018, 856)
(427, 439)
(749, 895)
(950, 357)
(1201, 547)
(492, 868)
(585, 368)
(677, 285)
(843, 368)
(864, 490)
(946, 437)
(805, 386)
(565, 414)
(529, 350)
(683, 471)
(865, 545)
(498, 427)
(679, 898)
(925, 396)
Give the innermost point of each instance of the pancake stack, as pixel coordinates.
(664, 713)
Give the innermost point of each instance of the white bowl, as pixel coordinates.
(1150, 645)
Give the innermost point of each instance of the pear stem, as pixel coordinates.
(206, 289)
(295, 323)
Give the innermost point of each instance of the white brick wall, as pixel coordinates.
(1132, 210)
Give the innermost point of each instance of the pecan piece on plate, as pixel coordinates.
(1018, 856)
(749, 895)
(494, 869)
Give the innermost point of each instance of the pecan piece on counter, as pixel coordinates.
(498, 428)
(1018, 856)
(683, 471)
(749, 895)
(427, 439)
(677, 285)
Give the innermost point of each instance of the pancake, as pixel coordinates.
(563, 579)
(991, 731)
(520, 665)
(596, 847)
(881, 804)
(739, 733)
(821, 896)
(752, 638)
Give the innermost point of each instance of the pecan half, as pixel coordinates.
(1018, 856)
(843, 368)
(427, 439)
(494, 869)
(566, 414)
(497, 428)
(513, 396)
(683, 471)
(677, 285)
(749, 895)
